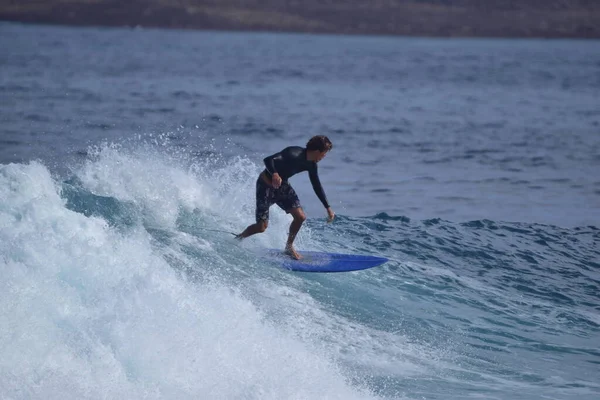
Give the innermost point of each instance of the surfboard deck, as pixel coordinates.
(316, 261)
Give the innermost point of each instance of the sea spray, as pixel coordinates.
(89, 311)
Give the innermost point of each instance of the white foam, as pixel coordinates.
(88, 311)
(149, 180)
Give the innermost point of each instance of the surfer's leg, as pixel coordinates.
(264, 200)
(258, 227)
(288, 201)
(299, 218)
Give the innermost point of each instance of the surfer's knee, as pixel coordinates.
(299, 215)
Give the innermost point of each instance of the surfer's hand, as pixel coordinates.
(276, 180)
(330, 215)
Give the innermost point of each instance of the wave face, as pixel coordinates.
(119, 280)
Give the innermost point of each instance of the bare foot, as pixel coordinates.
(290, 251)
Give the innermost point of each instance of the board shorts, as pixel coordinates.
(284, 196)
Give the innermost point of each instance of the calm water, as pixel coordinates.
(471, 164)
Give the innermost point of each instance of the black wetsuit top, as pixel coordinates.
(289, 162)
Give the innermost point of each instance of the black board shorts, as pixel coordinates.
(284, 196)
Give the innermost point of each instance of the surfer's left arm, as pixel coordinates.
(318, 188)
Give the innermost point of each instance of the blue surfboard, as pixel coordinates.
(316, 261)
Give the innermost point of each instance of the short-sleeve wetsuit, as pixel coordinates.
(286, 163)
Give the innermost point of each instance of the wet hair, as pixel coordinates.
(319, 142)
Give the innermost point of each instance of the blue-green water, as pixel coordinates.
(470, 164)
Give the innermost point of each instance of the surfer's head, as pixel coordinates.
(319, 145)
(319, 142)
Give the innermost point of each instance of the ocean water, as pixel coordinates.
(127, 155)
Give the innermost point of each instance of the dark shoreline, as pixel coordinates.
(434, 18)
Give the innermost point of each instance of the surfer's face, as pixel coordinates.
(320, 155)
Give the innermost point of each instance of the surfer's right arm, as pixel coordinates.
(270, 165)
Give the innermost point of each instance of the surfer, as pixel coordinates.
(272, 187)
